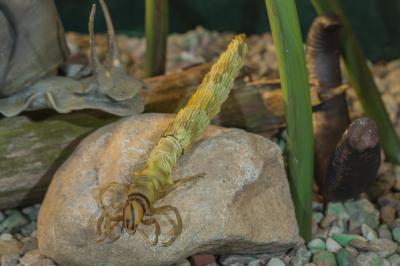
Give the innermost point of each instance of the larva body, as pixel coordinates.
(154, 181)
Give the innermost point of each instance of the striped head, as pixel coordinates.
(135, 208)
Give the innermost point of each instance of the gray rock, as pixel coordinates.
(242, 204)
(256, 263)
(337, 209)
(31, 212)
(34, 258)
(345, 258)
(14, 221)
(332, 245)
(328, 220)
(384, 232)
(28, 229)
(363, 212)
(396, 234)
(394, 260)
(324, 258)
(368, 232)
(226, 260)
(9, 260)
(383, 247)
(369, 259)
(317, 217)
(301, 256)
(316, 245)
(275, 262)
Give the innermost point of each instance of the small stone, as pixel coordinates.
(316, 245)
(275, 262)
(183, 263)
(344, 239)
(352, 251)
(394, 259)
(198, 260)
(317, 206)
(332, 245)
(301, 256)
(324, 258)
(2, 216)
(363, 211)
(256, 263)
(335, 230)
(317, 217)
(328, 220)
(32, 258)
(8, 247)
(28, 229)
(384, 232)
(337, 209)
(28, 245)
(396, 234)
(388, 214)
(6, 236)
(31, 212)
(368, 232)
(382, 247)
(13, 222)
(9, 260)
(345, 258)
(226, 260)
(369, 259)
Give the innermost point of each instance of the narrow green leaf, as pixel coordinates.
(362, 80)
(156, 37)
(292, 69)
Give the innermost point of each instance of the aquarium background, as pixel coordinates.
(376, 22)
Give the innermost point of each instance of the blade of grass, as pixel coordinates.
(292, 69)
(156, 37)
(362, 80)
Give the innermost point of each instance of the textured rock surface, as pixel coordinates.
(242, 205)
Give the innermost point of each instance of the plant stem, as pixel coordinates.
(296, 93)
(362, 80)
(156, 37)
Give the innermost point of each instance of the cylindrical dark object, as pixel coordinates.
(330, 118)
(355, 163)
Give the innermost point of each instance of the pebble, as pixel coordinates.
(396, 234)
(2, 216)
(388, 214)
(369, 259)
(394, 260)
(301, 256)
(345, 258)
(336, 230)
(317, 217)
(255, 263)
(29, 243)
(14, 221)
(337, 209)
(344, 239)
(34, 258)
(363, 212)
(368, 232)
(332, 245)
(275, 262)
(31, 212)
(226, 260)
(384, 232)
(9, 260)
(328, 220)
(324, 258)
(28, 229)
(351, 250)
(316, 245)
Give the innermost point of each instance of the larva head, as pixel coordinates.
(133, 213)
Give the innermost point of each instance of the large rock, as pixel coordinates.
(242, 205)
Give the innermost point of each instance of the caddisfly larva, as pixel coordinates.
(155, 181)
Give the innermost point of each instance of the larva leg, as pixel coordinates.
(105, 225)
(157, 230)
(176, 227)
(182, 181)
